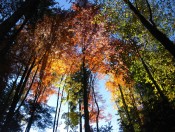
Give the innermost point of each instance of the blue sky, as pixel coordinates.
(65, 4)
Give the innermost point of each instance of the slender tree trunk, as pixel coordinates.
(98, 109)
(80, 124)
(39, 92)
(165, 99)
(30, 122)
(22, 102)
(135, 108)
(19, 85)
(8, 42)
(8, 99)
(58, 114)
(161, 37)
(55, 118)
(68, 107)
(120, 114)
(33, 109)
(27, 9)
(85, 96)
(31, 119)
(126, 109)
(17, 95)
(26, 78)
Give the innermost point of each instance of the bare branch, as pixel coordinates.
(150, 13)
(136, 5)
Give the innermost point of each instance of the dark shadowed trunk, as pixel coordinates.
(135, 108)
(18, 93)
(80, 124)
(164, 98)
(59, 110)
(26, 9)
(8, 98)
(161, 37)
(126, 110)
(95, 99)
(31, 118)
(85, 96)
(22, 102)
(6, 44)
(55, 118)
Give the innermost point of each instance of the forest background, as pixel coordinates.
(47, 50)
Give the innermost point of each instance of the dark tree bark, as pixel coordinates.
(68, 107)
(22, 102)
(95, 99)
(9, 98)
(31, 117)
(85, 95)
(27, 9)
(34, 105)
(150, 26)
(164, 98)
(98, 110)
(135, 108)
(57, 106)
(39, 93)
(59, 110)
(55, 118)
(80, 124)
(6, 44)
(126, 110)
(18, 93)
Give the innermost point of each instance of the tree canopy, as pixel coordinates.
(48, 51)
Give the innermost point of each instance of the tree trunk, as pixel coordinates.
(31, 119)
(85, 96)
(33, 109)
(161, 37)
(135, 108)
(164, 98)
(8, 98)
(98, 109)
(58, 114)
(55, 118)
(17, 110)
(35, 103)
(126, 110)
(6, 44)
(18, 94)
(80, 124)
(68, 120)
(28, 7)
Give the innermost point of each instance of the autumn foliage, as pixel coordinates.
(51, 51)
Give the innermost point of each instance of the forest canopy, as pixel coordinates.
(48, 51)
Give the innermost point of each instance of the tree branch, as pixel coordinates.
(150, 13)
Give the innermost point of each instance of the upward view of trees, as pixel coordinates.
(48, 51)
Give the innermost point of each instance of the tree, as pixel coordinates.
(28, 7)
